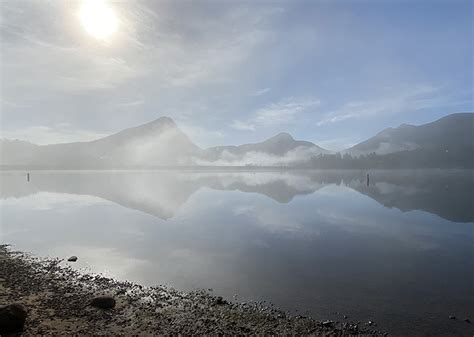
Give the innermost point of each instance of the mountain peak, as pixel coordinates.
(283, 136)
(452, 131)
(165, 121)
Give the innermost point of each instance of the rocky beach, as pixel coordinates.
(46, 296)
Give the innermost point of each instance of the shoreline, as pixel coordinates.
(57, 301)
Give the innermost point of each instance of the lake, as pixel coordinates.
(397, 249)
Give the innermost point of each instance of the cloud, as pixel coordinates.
(201, 136)
(131, 103)
(279, 113)
(418, 98)
(239, 125)
(163, 56)
(61, 133)
(261, 92)
(173, 57)
(254, 158)
(13, 104)
(147, 45)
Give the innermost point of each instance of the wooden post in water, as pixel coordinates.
(28, 177)
(367, 179)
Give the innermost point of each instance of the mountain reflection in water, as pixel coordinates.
(398, 251)
(446, 193)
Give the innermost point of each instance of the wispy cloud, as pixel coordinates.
(256, 158)
(13, 104)
(261, 92)
(169, 59)
(60, 133)
(282, 112)
(131, 103)
(239, 125)
(417, 98)
(201, 136)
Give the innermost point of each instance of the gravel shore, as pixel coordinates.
(57, 300)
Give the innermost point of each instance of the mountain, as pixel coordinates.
(281, 149)
(445, 143)
(16, 152)
(159, 142)
(450, 133)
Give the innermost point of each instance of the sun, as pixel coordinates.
(98, 18)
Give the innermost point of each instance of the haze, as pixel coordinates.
(333, 73)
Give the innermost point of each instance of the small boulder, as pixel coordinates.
(327, 324)
(12, 318)
(121, 291)
(354, 327)
(467, 320)
(452, 317)
(72, 259)
(220, 301)
(103, 302)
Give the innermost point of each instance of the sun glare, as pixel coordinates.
(98, 18)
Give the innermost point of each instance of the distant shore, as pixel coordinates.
(57, 300)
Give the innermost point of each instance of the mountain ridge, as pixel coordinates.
(161, 143)
(407, 137)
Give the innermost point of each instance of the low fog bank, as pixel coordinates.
(445, 143)
(297, 156)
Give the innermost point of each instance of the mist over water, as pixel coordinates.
(397, 249)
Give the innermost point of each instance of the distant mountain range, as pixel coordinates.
(447, 142)
(448, 133)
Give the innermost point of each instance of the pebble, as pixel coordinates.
(121, 291)
(12, 318)
(103, 302)
(72, 259)
(220, 300)
(327, 323)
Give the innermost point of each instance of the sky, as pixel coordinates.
(231, 72)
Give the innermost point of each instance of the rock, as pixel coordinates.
(327, 324)
(12, 318)
(72, 259)
(467, 320)
(220, 301)
(345, 317)
(103, 302)
(354, 327)
(452, 317)
(370, 323)
(122, 291)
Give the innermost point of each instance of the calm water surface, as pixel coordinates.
(399, 251)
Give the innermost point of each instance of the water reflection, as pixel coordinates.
(398, 251)
(446, 193)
